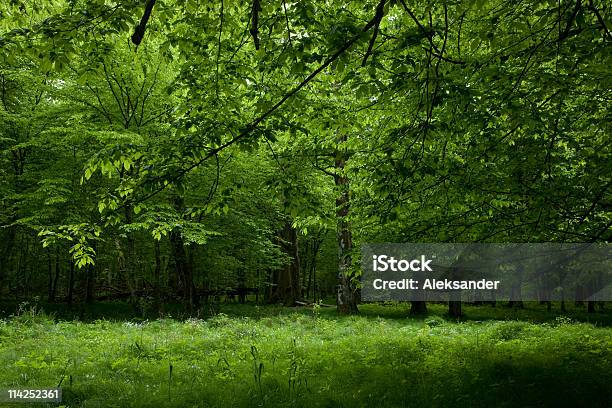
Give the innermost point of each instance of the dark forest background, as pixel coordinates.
(184, 152)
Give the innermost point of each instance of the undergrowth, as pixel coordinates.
(300, 358)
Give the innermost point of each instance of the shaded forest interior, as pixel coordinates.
(146, 159)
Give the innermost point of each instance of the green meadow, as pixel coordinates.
(285, 357)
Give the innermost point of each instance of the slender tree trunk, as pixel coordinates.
(454, 304)
(516, 292)
(22, 282)
(242, 286)
(18, 160)
(347, 291)
(156, 279)
(183, 261)
(123, 270)
(180, 262)
(316, 245)
(288, 289)
(314, 285)
(53, 290)
(7, 252)
(90, 284)
(311, 268)
(71, 283)
(50, 275)
(90, 280)
(190, 289)
(130, 259)
(580, 293)
(309, 282)
(271, 291)
(258, 285)
(305, 260)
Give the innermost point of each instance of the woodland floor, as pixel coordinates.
(271, 356)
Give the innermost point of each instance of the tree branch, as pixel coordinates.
(255, 22)
(380, 11)
(600, 19)
(253, 125)
(140, 29)
(571, 20)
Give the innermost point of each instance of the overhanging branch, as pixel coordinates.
(253, 124)
(380, 11)
(255, 22)
(140, 29)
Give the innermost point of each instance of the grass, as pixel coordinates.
(271, 356)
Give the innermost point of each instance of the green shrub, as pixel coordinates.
(509, 330)
(434, 321)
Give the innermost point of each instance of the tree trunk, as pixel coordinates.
(156, 279)
(90, 283)
(590, 306)
(71, 283)
(180, 266)
(418, 307)
(305, 260)
(316, 245)
(50, 275)
(454, 303)
(580, 293)
(288, 289)
(183, 261)
(7, 252)
(123, 269)
(347, 291)
(314, 286)
(454, 308)
(130, 264)
(516, 292)
(271, 287)
(242, 292)
(53, 290)
(190, 288)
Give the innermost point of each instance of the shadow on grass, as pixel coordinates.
(123, 311)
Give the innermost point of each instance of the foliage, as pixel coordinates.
(296, 359)
(224, 123)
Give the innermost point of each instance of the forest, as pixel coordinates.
(186, 188)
